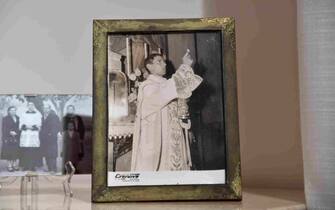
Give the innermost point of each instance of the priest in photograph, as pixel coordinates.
(159, 143)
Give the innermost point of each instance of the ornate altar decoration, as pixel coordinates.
(125, 72)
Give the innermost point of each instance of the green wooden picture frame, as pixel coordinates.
(100, 191)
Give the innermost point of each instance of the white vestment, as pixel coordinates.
(29, 137)
(159, 142)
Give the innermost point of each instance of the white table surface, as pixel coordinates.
(51, 197)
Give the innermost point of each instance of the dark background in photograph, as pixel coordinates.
(206, 103)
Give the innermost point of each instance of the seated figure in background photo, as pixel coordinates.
(30, 124)
(159, 143)
(10, 139)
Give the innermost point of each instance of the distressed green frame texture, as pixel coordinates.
(100, 191)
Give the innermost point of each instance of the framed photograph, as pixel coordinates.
(165, 118)
(40, 133)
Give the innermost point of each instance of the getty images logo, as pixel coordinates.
(131, 177)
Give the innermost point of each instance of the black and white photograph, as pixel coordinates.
(166, 109)
(40, 133)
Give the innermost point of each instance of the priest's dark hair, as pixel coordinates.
(150, 59)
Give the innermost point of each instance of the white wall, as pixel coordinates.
(46, 46)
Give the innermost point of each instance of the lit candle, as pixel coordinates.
(128, 56)
(145, 50)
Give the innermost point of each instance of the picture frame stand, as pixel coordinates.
(66, 180)
(25, 180)
(70, 170)
(33, 178)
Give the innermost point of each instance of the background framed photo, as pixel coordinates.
(165, 123)
(40, 133)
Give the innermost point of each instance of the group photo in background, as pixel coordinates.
(40, 133)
